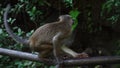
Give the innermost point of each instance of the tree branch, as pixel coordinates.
(70, 62)
(25, 55)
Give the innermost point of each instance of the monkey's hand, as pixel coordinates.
(82, 55)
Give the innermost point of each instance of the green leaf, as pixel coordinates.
(74, 13)
(33, 9)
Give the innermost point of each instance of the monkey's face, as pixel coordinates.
(66, 18)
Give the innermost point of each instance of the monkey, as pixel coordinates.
(48, 38)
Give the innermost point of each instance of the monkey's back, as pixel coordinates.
(45, 34)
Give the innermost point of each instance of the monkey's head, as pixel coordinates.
(66, 18)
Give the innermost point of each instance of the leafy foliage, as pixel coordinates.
(111, 13)
(74, 13)
(110, 7)
(69, 3)
(7, 42)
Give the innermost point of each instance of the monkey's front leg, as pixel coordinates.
(57, 42)
(73, 53)
(57, 52)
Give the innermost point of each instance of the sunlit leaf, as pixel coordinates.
(74, 14)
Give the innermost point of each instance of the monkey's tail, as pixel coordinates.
(10, 32)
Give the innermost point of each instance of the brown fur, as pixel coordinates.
(42, 38)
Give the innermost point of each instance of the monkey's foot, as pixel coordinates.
(82, 55)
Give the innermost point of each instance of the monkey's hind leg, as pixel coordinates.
(44, 54)
(45, 51)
